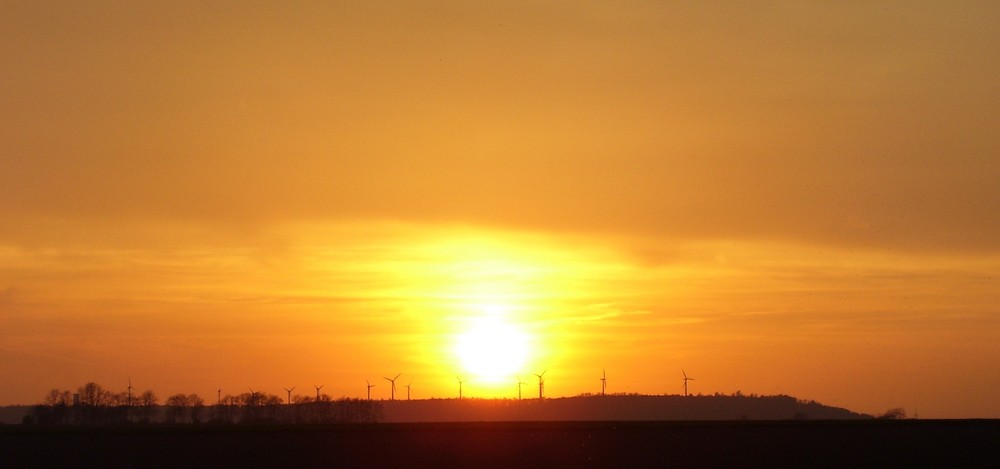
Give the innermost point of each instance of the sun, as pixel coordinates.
(492, 349)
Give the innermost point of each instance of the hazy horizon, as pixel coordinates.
(779, 198)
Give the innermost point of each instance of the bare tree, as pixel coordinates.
(197, 405)
(117, 399)
(177, 400)
(100, 406)
(176, 407)
(147, 400)
(55, 408)
(58, 397)
(897, 413)
(184, 408)
(92, 395)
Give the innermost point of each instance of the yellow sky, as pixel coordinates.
(777, 198)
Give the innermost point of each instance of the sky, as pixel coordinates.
(777, 197)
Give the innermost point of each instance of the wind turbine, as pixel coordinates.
(218, 396)
(370, 386)
(519, 384)
(541, 383)
(408, 390)
(604, 381)
(289, 391)
(253, 398)
(686, 379)
(392, 393)
(130, 391)
(459, 386)
(317, 390)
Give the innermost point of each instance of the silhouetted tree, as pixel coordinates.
(184, 408)
(148, 401)
(58, 397)
(225, 410)
(148, 398)
(55, 408)
(197, 405)
(177, 400)
(92, 395)
(896, 413)
(176, 406)
(117, 399)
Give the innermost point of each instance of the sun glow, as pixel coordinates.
(492, 349)
(483, 306)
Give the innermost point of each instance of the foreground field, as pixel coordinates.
(512, 444)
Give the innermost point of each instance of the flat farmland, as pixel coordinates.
(871, 443)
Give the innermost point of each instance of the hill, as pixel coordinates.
(613, 407)
(617, 407)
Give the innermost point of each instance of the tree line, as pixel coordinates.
(92, 404)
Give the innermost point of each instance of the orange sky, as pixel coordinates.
(777, 198)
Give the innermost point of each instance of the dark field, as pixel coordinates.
(905, 443)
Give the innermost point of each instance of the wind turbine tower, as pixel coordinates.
(604, 381)
(519, 384)
(392, 393)
(289, 391)
(370, 386)
(459, 386)
(130, 391)
(541, 384)
(408, 390)
(317, 390)
(686, 379)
